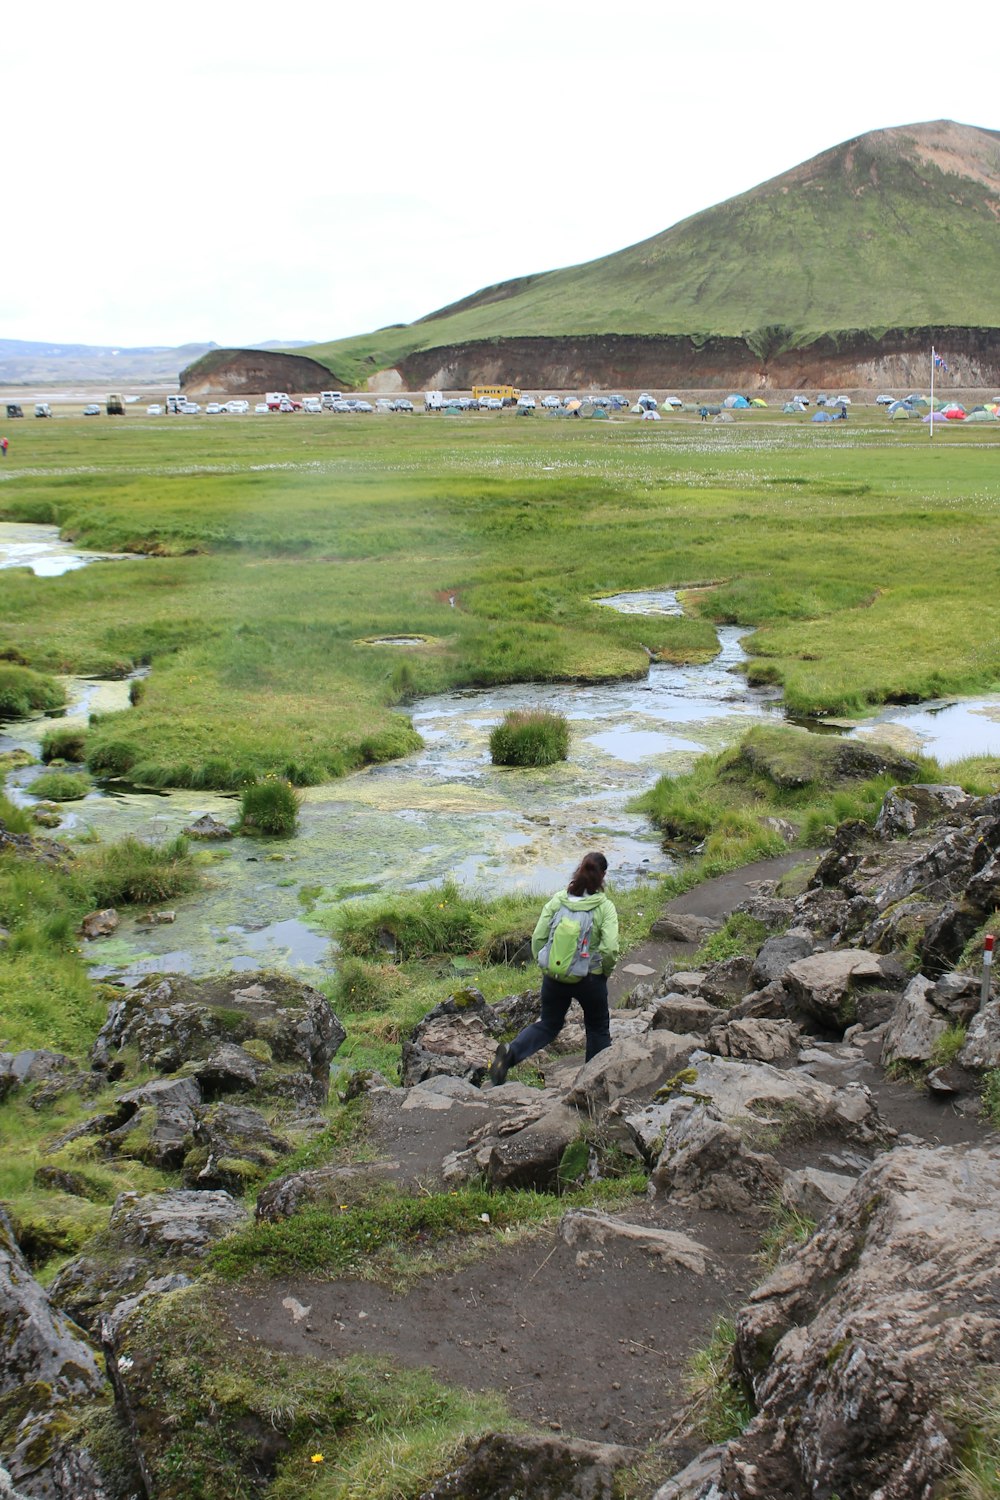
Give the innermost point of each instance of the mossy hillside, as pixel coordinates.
(868, 564)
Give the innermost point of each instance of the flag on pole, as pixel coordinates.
(940, 364)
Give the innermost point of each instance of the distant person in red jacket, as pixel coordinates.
(3, 446)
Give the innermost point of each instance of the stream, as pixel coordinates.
(444, 810)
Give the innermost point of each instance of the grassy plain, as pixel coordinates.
(866, 557)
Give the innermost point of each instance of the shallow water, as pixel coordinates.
(40, 548)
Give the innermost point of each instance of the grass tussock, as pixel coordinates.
(270, 807)
(530, 738)
(132, 873)
(439, 920)
(719, 1404)
(63, 743)
(61, 786)
(23, 692)
(739, 937)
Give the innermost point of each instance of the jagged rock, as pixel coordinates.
(457, 1038)
(177, 1227)
(7, 1490)
(705, 1162)
(514, 1012)
(825, 985)
(958, 996)
(328, 1186)
(769, 1004)
(823, 911)
(697, 1479)
(99, 923)
(207, 827)
(230, 1069)
(546, 1468)
(632, 1066)
(813, 1193)
(946, 935)
(530, 1158)
(777, 954)
(756, 1040)
(681, 927)
(726, 980)
(156, 918)
(781, 827)
(773, 912)
(915, 1025)
(687, 981)
(854, 1345)
(982, 1040)
(761, 1097)
(902, 926)
(843, 856)
(907, 808)
(47, 1371)
(590, 1232)
(231, 1147)
(681, 1013)
(937, 872)
(172, 1019)
(34, 1065)
(152, 1123)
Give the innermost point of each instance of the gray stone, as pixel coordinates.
(958, 996)
(682, 927)
(914, 1027)
(590, 1233)
(687, 981)
(530, 1158)
(47, 1370)
(705, 1162)
(684, 1013)
(857, 1344)
(756, 1040)
(631, 1065)
(814, 1193)
(777, 954)
(207, 827)
(34, 1065)
(907, 808)
(825, 985)
(698, 1480)
(727, 980)
(982, 1040)
(228, 1070)
(760, 1097)
(323, 1186)
(98, 924)
(232, 1147)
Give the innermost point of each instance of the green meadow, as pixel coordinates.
(271, 553)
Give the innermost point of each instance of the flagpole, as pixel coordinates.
(931, 423)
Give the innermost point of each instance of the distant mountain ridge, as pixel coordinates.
(897, 229)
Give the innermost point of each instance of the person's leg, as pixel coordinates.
(556, 1000)
(592, 994)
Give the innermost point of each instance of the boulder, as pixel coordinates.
(98, 924)
(982, 1040)
(230, 1148)
(958, 996)
(35, 1065)
(207, 827)
(769, 1004)
(915, 1025)
(907, 808)
(814, 1193)
(685, 1013)
(169, 1020)
(825, 985)
(229, 1069)
(546, 1468)
(591, 1233)
(725, 981)
(682, 927)
(705, 1162)
(777, 954)
(47, 1371)
(530, 1158)
(145, 1236)
(697, 1479)
(946, 934)
(768, 1101)
(857, 1342)
(757, 1040)
(773, 912)
(457, 1038)
(632, 1066)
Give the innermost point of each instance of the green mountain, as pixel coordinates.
(896, 229)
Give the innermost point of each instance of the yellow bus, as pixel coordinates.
(508, 394)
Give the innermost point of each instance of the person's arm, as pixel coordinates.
(540, 935)
(608, 943)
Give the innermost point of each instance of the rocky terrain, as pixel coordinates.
(832, 1081)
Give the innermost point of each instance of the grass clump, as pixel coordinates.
(740, 936)
(720, 1405)
(364, 986)
(24, 692)
(991, 1096)
(947, 1046)
(977, 1416)
(131, 873)
(530, 737)
(439, 920)
(270, 807)
(788, 1227)
(61, 786)
(65, 742)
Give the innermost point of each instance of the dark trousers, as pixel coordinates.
(557, 997)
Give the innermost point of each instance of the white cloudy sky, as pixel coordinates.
(247, 171)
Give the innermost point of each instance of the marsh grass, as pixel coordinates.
(428, 923)
(23, 692)
(132, 873)
(740, 936)
(270, 806)
(61, 786)
(976, 1414)
(530, 737)
(63, 743)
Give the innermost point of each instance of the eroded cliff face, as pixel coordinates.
(249, 372)
(855, 358)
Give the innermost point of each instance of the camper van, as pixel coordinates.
(434, 401)
(42, 409)
(115, 405)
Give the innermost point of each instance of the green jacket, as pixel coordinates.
(603, 934)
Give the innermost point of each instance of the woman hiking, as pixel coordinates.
(576, 943)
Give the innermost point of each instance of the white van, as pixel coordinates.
(434, 401)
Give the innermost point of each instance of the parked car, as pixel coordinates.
(261, 407)
(402, 404)
(93, 410)
(190, 408)
(363, 406)
(490, 403)
(526, 403)
(213, 409)
(154, 411)
(239, 408)
(552, 403)
(42, 409)
(312, 404)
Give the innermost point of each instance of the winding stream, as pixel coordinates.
(443, 811)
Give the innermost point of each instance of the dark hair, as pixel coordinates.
(588, 877)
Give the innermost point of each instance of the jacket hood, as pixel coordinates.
(583, 903)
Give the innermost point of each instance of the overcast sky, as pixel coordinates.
(243, 171)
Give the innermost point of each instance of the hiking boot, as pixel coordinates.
(500, 1066)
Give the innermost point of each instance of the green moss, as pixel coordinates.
(61, 786)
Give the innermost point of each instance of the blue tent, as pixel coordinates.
(740, 402)
(822, 416)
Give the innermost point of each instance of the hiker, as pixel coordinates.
(576, 943)
(703, 413)
(3, 446)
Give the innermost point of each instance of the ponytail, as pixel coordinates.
(588, 877)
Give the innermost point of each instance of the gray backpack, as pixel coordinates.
(566, 954)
